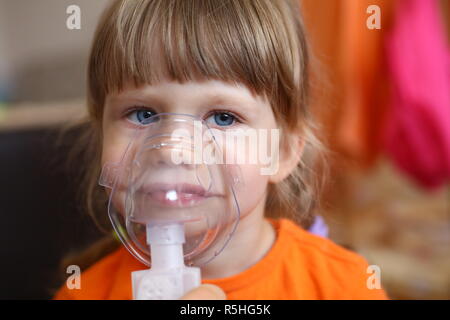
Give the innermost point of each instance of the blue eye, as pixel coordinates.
(141, 116)
(221, 119)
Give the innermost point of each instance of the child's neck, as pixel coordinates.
(253, 238)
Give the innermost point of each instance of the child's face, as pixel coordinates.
(222, 106)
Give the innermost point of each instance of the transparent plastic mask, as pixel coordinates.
(170, 173)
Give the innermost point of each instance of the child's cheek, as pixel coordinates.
(251, 190)
(112, 151)
(115, 142)
(251, 186)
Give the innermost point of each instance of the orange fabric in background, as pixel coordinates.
(299, 265)
(351, 91)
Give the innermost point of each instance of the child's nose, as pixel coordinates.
(170, 155)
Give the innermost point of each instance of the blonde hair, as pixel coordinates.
(259, 43)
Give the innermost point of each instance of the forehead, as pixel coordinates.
(172, 92)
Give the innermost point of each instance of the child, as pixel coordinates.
(234, 63)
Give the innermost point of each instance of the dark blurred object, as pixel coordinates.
(42, 220)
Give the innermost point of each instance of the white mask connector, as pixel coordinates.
(168, 278)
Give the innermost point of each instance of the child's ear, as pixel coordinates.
(291, 150)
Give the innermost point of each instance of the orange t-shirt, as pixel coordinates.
(299, 265)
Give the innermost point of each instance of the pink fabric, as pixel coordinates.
(417, 135)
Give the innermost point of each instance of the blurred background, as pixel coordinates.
(381, 96)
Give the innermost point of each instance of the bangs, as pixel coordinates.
(147, 41)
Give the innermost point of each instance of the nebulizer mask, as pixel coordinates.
(172, 202)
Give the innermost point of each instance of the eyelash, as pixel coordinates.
(237, 117)
(129, 111)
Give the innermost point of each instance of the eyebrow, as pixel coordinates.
(137, 97)
(212, 98)
(228, 100)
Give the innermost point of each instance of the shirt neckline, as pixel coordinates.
(262, 267)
